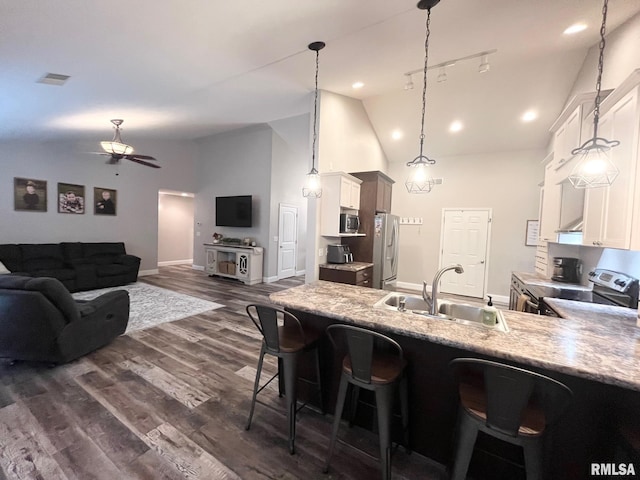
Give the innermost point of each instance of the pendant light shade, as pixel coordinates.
(420, 179)
(313, 188)
(595, 168)
(116, 146)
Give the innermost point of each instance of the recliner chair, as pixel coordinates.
(40, 320)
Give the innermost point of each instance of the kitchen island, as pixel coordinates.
(598, 360)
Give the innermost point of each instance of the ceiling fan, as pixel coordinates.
(116, 150)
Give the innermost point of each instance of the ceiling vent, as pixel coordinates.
(54, 79)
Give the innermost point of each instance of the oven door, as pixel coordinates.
(529, 303)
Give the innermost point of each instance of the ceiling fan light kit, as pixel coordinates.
(313, 188)
(595, 168)
(117, 150)
(420, 179)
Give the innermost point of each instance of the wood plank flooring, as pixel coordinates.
(171, 402)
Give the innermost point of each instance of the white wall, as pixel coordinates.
(504, 182)
(289, 165)
(347, 142)
(175, 229)
(233, 163)
(621, 57)
(136, 222)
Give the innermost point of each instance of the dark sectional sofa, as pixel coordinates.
(78, 265)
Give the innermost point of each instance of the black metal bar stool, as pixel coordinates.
(371, 366)
(508, 403)
(284, 338)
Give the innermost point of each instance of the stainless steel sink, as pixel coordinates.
(462, 313)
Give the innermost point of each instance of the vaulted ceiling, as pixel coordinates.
(186, 69)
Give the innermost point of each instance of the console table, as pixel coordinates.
(234, 261)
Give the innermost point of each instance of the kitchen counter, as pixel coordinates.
(617, 320)
(347, 267)
(607, 350)
(537, 279)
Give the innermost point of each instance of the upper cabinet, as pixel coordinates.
(609, 210)
(340, 194)
(551, 195)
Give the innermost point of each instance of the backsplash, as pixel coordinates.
(625, 261)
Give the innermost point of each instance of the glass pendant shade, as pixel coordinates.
(312, 187)
(117, 148)
(420, 179)
(594, 168)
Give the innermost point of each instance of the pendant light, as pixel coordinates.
(420, 180)
(313, 188)
(595, 168)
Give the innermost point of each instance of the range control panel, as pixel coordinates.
(620, 282)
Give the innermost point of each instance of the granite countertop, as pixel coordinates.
(349, 267)
(537, 279)
(607, 350)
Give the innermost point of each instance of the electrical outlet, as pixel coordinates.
(197, 234)
(320, 252)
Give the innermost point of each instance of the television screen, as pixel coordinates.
(233, 211)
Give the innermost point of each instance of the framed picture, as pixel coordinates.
(531, 237)
(29, 195)
(70, 198)
(104, 201)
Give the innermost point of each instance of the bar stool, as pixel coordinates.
(286, 342)
(369, 365)
(508, 403)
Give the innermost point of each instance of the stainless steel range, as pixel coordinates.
(609, 288)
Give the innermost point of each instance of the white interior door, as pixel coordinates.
(287, 240)
(465, 240)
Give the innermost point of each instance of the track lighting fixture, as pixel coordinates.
(408, 84)
(484, 64)
(442, 76)
(442, 67)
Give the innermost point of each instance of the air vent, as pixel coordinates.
(437, 181)
(54, 79)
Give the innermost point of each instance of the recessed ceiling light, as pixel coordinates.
(529, 116)
(396, 135)
(575, 28)
(455, 126)
(358, 85)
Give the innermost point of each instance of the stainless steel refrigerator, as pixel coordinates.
(386, 230)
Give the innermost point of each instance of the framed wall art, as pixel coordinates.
(104, 201)
(30, 195)
(70, 198)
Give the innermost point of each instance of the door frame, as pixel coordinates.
(488, 247)
(295, 267)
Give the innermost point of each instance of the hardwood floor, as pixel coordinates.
(171, 402)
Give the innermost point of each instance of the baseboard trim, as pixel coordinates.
(144, 273)
(300, 272)
(198, 267)
(411, 286)
(270, 279)
(175, 262)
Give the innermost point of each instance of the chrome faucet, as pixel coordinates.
(432, 301)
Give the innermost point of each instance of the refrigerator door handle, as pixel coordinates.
(394, 244)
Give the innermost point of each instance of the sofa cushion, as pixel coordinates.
(71, 251)
(11, 256)
(111, 270)
(56, 293)
(45, 256)
(59, 273)
(103, 249)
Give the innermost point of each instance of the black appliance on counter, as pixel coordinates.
(609, 288)
(566, 269)
(339, 254)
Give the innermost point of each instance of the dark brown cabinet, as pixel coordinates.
(375, 197)
(361, 277)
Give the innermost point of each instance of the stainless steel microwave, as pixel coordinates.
(349, 223)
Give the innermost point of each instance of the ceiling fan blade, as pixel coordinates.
(142, 157)
(134, 158)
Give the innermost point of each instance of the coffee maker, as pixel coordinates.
(566, 269)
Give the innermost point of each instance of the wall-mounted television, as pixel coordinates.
(233, 211)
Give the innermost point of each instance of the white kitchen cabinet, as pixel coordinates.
(349, 193)
(551, 195)
(241, 263)
(609, 210)
(340, 194)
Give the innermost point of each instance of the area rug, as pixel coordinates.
(151, 306)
